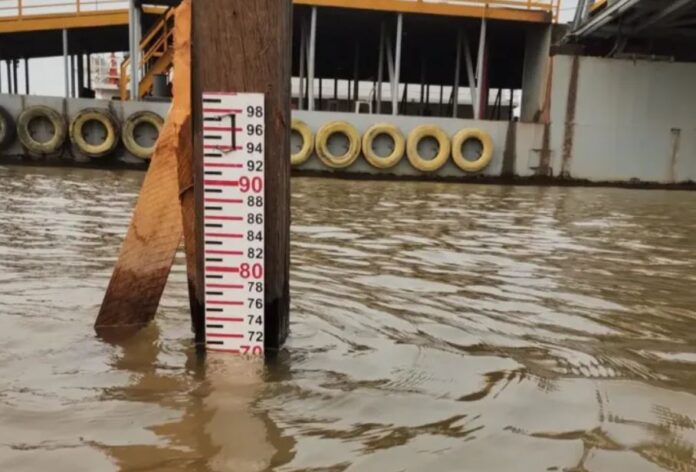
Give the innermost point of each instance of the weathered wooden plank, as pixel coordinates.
(245, 46)
(155, 231)
(182, 89)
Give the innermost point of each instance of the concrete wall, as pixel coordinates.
(14, 104)
(623, 120)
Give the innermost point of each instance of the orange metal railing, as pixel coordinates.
(550, 6)
(156, 47)
(16, 10)
(19, 9)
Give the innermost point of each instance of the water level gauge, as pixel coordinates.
(233, 217)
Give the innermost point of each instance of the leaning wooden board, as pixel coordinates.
(156, 228)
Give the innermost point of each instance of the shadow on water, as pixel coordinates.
(217, 426)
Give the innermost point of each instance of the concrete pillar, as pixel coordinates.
(535, 72)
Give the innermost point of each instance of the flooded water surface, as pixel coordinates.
(435, 327)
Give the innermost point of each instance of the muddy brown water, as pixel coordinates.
(435, 327)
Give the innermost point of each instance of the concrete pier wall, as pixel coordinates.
(623, 120)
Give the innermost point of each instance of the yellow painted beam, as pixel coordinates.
(597, 5)
(446, 9)
(64, 20)
(58, 21)
(84, 19)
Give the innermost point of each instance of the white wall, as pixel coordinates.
(627, 117)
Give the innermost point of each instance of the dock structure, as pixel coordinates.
(637, 27)
(415, 42)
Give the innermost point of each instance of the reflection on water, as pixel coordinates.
(435, 327)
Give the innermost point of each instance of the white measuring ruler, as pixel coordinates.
(233, 216)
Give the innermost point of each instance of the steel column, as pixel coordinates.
(457, 69)
(480, 73)
(397, 64)
(9, 76)
(473, 90)
(312, 58)
(26, 76)
(73, 82)
(66, 65)
(15, 82)
(303, 63)
(133, 46)
(380, 68)
(80, 74)
(89, 71)
(356, 73)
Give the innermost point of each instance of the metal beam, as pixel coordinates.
(485, 8)
(664, 14)
(608, 15)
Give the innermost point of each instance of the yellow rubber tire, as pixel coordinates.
(103, 117)
(301, 156)
(416, 136)
(7, 128)
(322, 144)
(128, 134)
(41, 148)
(383, 162)
(463, 136)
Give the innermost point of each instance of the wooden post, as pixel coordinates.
(245, 46)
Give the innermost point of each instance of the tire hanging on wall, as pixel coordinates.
(41, 148)
(322, 144)
(103, 117)
(416, 136)
(7, 128)
(383, 162)
(301, 156)
(463, 136)
(128, 132)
